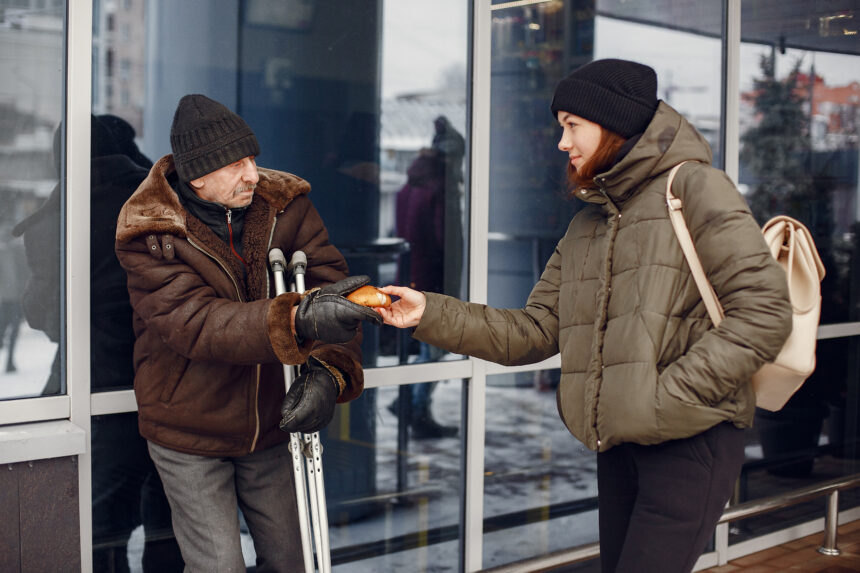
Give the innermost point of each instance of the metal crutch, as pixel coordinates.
(304, 445)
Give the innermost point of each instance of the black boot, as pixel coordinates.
(424, 427)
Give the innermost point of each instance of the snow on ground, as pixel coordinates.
(33, 355)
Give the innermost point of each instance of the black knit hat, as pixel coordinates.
(206, 136)
(619, 95)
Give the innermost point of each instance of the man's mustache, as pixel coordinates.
(243, 188)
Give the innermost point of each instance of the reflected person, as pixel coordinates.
(647, 382)
(127, 491)
(211, 341)
(40, 300)
(13, 276)
(433, 230)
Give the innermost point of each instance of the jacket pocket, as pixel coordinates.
(679, 418)
(174, 371)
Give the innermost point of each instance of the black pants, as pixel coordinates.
(659, 505)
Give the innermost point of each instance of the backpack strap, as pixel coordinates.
(709, 296)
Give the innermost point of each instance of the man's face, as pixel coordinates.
(232, 185)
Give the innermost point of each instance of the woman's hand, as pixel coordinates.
(406, 312)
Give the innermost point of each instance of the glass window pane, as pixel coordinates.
(351, 123)
(800, 116)
(351, 96)
(540, 485)
(394, 495)
(533, 47)
(117, 167)
(32, 188)
(814, 438)
(132, 528)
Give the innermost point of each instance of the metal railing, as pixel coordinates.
(744, 510)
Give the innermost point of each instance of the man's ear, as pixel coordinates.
(198, 183)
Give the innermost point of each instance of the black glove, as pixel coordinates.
(326, 315)
(309, 404)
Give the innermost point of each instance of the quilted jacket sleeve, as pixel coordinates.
(505, 336)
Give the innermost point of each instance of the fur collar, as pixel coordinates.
(154, 207)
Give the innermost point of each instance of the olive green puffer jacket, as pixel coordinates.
(640, 361)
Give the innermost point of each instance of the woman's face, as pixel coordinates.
(579, 138)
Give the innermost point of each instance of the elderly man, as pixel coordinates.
(211, 340)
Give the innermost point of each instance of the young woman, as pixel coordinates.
(647, 383)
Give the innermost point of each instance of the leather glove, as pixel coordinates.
(325, 314)
(309, 404)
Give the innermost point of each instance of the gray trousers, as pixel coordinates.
(204, 494)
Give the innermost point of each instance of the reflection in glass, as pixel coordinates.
(349, 109)
(426, 205)
(408, 516)
(540, 485)
(800, 127)
(32, 68)
(533, 47)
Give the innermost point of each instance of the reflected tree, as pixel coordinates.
(778, 154)
(777, 150)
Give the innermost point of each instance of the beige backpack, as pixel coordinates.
(792, 246)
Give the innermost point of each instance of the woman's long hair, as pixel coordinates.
(607, 149)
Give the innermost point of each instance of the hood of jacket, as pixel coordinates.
(668, 140)
(155, 208)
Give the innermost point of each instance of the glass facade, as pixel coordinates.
(533, 47)
(338, 94)
(32, 188)
(799, 141)
(373, 102)
(540, 488)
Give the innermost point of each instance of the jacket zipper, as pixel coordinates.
(269, 247)
(600, 181)
(220, 264)
(230, 232)
(257, 377)
(256, 409)
(259, 367)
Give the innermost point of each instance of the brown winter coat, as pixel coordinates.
(640, 361)
(211, 343)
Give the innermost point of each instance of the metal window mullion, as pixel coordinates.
(77, 247)
(731, 149)
(479, 186)
(732, 92)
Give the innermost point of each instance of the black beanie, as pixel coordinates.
(619, 95)
(206, 136)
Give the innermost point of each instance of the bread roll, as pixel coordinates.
(369, 296)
